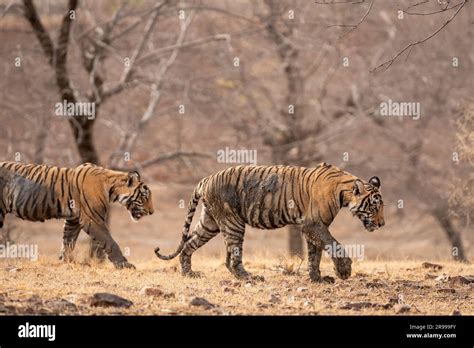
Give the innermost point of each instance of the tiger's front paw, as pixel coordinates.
(124, 264)
(248, 277)
(256, 278)
(192, 274)
(315, 277)
(343, 267)
(66, 257)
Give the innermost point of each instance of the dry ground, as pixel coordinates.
(376, 287)
(379, 284)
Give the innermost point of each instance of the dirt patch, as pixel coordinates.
(157, 288)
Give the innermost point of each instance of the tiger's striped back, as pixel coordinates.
(270, 197)
(39, 192)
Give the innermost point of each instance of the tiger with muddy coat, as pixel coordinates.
(269, 197)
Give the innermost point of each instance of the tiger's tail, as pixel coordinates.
(189, 218)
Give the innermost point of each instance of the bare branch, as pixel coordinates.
(219, 10)
(364, 16)
(126, 30)
(129, 69)
(288, 54)
(93, 54)
(418, 4)
(389, 62)
(141, 44)
(43, 37)
(62, 77)
(355, 26)
(431, 13)
(217, 37)
(7, 8)
(173, 155)
(131, 137)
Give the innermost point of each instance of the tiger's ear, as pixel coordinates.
(358, 187)
(375, 181)
(133, 178)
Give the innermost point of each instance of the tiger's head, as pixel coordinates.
(135, 196)
(367, 204)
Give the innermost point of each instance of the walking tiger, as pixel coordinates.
(79, 195)
(269, 197)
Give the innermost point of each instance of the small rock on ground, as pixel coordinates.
(103, 299)
(201, 302)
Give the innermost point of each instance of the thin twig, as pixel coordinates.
(355, 26)
(173, 155)
(389, 62)
(431, 13)
(192, 43)
(161, 159)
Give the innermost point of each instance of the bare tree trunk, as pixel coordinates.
(452, 233)
(292, 110)
(295, 241)
(88, 153)
(40, 145)
(82, 129)
(295, 238)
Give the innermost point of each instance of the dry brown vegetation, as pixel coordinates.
(156, 288)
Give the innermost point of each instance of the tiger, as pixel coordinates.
(269, 197)
(80, 195)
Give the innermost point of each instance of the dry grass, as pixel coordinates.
(376, 288)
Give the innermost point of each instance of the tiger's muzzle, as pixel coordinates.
(371, 225)
(138, 213)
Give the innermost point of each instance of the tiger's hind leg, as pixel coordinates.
(3, 209)
(314, 259)
(228, 261)
(233, 233)
(72, 228)
(205, 230)
(96, 252)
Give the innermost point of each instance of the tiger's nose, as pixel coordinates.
(151, 211)
(382, 223)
